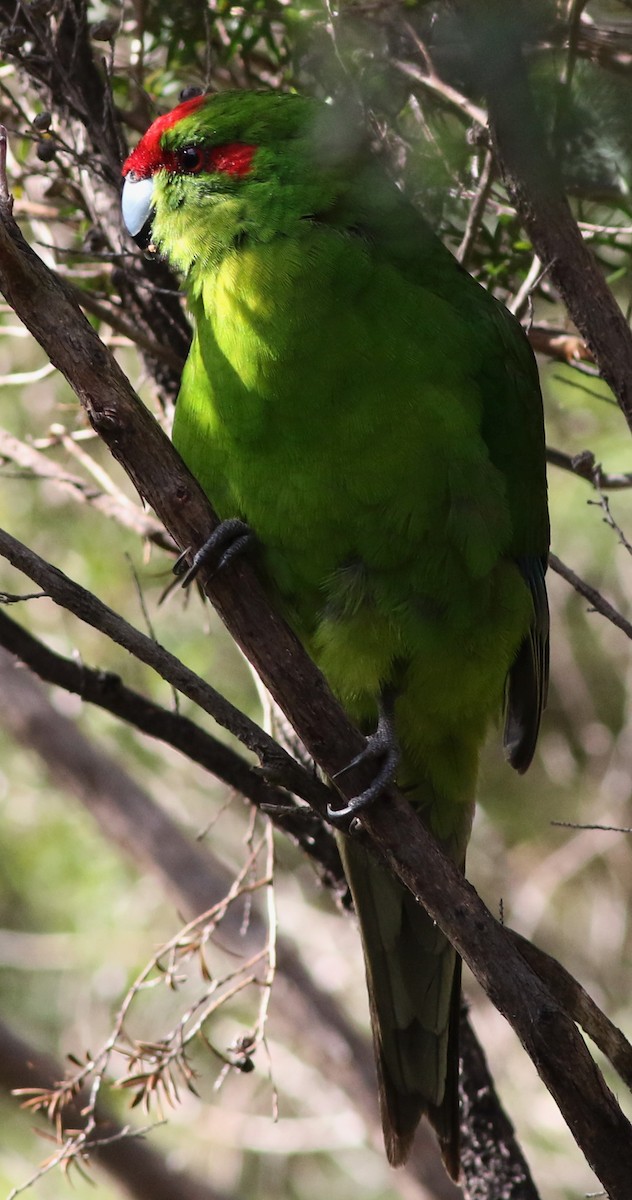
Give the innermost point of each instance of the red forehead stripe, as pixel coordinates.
(148, 155)
(235, 158)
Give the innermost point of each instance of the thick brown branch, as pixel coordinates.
(493, 1163)
(491, 29)
(548, 1034)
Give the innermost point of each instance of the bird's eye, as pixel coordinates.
(190, 160)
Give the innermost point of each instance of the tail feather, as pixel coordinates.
(446, 1117)
(414, 990)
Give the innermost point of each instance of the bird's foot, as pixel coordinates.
(381, 746)
(226, 543)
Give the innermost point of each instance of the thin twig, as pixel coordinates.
(88, 608)
(550, 1037)
(586, 466)
(529, 284)
(604, 505)
(108, 692)
(477, 209)
(116, 505)
(597, 602)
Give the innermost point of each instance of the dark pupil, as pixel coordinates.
(190, 159)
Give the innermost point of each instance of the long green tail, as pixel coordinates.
(414, 984)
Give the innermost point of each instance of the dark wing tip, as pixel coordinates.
(528, 677)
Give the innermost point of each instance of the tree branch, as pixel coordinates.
(140, 1169)
(492, 32)
(493, 1163)
(597, 602)
(108, 692)
(546, 1032)
(117, 507)
(586, 466)
(88, 608)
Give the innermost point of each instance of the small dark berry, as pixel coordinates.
(46, 150)
(188, 93)
(42, 122)
(105, 31)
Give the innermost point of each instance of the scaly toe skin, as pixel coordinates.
(380, 745)
(226, 543)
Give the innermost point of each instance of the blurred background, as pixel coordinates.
(85, 901)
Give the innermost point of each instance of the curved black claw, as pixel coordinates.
(226, 542)
(381, 745)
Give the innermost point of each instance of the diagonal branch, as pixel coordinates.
(545, 1030)
(78, 600)
(492, 31)
(598, 603)
(117, 507)
(196, 881)
(581, 1006)
(110, 693)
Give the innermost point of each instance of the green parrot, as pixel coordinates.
(374, 417)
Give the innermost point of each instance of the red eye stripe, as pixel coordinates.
(233, 159)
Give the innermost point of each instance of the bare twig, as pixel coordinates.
(140, 1169)
(150, 1064)
(431, 80)
(598, 603)
(115, 506)
(477, 209)
(491, 30)
(531, 280)
(88, 608)
(586, 466)
(549, 1036)
(110, 693)
(584, 825)
(604, 504)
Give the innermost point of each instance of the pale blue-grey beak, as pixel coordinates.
(137, 206)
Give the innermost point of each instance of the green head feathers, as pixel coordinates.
(223, 167)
